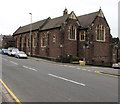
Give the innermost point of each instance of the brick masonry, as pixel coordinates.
(96, 52)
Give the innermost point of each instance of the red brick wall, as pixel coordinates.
(99, 51)
(52, 50)
(70, 46)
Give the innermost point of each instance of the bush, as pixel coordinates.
(75, 58)
(68, 58)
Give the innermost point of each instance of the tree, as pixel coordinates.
(115, 40)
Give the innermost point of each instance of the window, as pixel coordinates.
(43, 41)
(28, 42)
(22, 41)
(72, 33)
(82, 35)
(25, 41)
(100, 33)
(54, 38)
(17, 42)
(34, 40)
(48, 39)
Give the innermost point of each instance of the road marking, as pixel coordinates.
(14, 62)
(65, 65)
(29, 68)
(97, 71)
(71, 66)
(4, 59)
(105, 74)
(11, 93)
(83, 69)
(67, 80)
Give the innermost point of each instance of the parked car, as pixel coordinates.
(10, 48)
(20, 54)
(116, 65)
(12, 51)
(4, 51)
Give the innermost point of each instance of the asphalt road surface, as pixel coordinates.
(39, 81)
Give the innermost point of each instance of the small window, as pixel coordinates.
(25, 41)
(82, 35)
(17, 42)
(72, 33)
(34, 40)
(43, 41)
(22, 41)
(54, 38)
(28, 42)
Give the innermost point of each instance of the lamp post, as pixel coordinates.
(30, 40)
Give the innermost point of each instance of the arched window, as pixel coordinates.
(100, 33)
(54, 38)
(72, 35)
(43, 41)
(34, 40)
(22, 41)
(28, 41)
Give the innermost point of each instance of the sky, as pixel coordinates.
(15, 13)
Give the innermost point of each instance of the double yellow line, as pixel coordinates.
(10, 92)
(105, 74)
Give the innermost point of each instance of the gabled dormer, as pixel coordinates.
(102, 29)
(74, 17)
(100, 13)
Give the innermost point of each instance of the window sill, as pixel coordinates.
(82, 40)
(73, 39)
(100, 40)
(43, 46)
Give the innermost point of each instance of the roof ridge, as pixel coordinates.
(87, 19)
(55, 22)
(35, 22)
(60, 16)
(88, 14)
(46, 21)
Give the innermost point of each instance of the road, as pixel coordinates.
(40, 81)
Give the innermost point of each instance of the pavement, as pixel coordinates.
(98, 69)
(5, 96)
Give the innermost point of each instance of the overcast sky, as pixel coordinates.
(15, 13)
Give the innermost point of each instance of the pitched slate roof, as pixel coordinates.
(44, 24)
(55, 22)
(26, 28)
(87, 19)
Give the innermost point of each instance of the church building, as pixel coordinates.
(86, 36)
